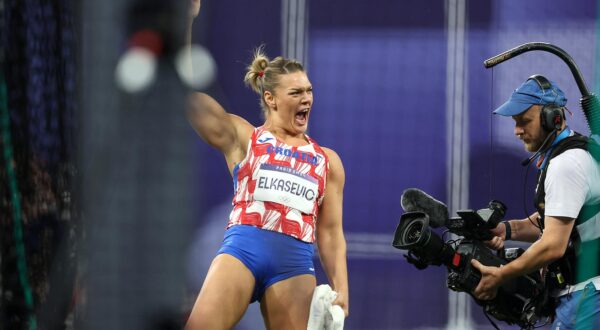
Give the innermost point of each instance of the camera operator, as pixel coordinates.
(568, 209)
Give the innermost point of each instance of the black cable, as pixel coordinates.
(445, 232)
(525, 201)
(543, 324)
(489, 319)
(541, 150)
(491, 164)
(454, 242)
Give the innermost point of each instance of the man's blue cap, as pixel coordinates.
(530, 93)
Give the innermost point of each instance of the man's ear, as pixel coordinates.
(270, 100)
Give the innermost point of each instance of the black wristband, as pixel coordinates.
(507, 234)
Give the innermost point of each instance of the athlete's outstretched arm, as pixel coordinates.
(330, 234)
(193, 11)
(226, 132)
(218, 128)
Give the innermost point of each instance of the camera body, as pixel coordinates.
(518, 301)
(477, 224)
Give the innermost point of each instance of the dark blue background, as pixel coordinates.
(379, 75)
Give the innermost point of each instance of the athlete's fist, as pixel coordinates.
(194, 8)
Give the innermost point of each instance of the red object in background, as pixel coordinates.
(148, 39)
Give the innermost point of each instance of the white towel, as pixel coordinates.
(324, 315)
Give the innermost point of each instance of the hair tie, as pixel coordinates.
(261, 73)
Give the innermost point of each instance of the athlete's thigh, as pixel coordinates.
(224, 296)
(286, 304)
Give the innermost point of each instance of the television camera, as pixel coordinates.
(522, 301)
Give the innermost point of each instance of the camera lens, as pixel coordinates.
(413, 232)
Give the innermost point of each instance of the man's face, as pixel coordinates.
(528, 128)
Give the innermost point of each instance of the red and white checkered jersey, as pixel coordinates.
(279, 187)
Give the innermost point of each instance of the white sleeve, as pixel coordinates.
(566, 184)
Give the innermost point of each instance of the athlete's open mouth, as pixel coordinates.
(302, 117)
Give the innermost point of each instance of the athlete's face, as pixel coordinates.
(528, 128)
(292, 100)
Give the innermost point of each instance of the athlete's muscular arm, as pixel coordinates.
(226, 132)
(330, 235)
(193, 11)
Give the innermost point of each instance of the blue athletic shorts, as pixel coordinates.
(270, 256)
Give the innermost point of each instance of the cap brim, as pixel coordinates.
(512, 108)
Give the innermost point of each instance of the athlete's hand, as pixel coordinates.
(342, 301)
(194, 8)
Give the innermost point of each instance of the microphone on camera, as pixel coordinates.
(416, 200)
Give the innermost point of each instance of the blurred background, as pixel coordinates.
(112, 208)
